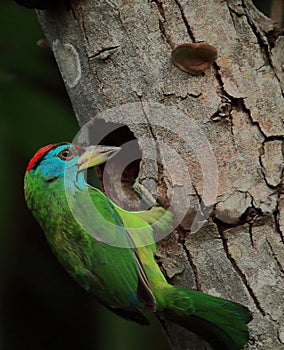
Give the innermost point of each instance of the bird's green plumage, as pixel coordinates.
(126, 280)
(86, 259)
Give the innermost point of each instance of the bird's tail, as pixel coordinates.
(221, 322)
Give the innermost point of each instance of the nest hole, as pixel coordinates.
(123, 170)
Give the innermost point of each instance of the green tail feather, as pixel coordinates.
(221, 322)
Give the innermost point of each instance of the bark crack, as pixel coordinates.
(227, 102)
(239, 271)
(250, 216)
(251, 236)
(165, 35)
(105, 52)
(162, 28)
(160, 8)
(262, 152)
(250, 117)
(181, 98)
(160, 167)
(232, 13)
(275, 256)
(79, 18)
(262, 40)
(191, 262)
(276, 212)
(188, 27)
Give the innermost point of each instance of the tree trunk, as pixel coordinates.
(218, 137)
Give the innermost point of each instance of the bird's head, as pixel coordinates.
(67, 160)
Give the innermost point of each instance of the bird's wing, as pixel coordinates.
(109, 228)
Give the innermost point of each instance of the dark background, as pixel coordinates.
(41, 308)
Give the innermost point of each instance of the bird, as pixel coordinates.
(106, 248)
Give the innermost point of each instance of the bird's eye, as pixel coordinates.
(66, 154)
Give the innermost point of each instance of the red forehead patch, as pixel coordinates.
(42, 152)
(38, 155)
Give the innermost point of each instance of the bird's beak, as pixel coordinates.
(95, 155)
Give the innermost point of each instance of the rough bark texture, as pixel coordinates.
(112, 52)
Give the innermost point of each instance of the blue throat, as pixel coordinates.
(71, 179)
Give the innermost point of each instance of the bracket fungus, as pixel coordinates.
(194, 58)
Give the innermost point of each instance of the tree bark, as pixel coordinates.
(116, 52)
